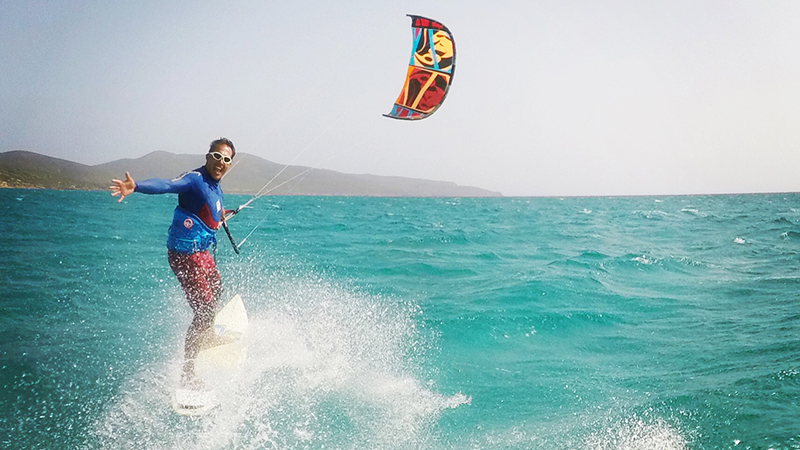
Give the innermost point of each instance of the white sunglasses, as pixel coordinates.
(220, 157)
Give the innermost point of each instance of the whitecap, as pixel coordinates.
(635, 434)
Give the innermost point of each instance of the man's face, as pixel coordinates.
(217, 167)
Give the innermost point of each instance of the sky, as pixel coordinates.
(549, 98)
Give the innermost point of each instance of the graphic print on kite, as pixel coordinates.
(430, 72)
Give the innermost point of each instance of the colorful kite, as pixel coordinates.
(430, 72)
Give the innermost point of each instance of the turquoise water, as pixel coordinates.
(518, 323)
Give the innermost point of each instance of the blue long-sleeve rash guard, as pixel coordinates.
(198, 194)
(199, 197)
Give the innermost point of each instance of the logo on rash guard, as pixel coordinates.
(188, 223)
(219, 206)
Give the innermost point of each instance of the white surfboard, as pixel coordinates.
(219, 359)
(188, 402)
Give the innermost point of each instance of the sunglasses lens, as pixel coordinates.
(219, 156)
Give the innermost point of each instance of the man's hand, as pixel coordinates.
(228, 213)
(123, 188)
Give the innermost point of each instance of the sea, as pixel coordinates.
(600, 323)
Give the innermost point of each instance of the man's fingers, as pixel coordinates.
(120, 187)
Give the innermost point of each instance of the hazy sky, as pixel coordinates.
(549, 98)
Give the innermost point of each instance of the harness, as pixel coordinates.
(188, 234)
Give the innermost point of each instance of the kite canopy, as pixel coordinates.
(430, 72)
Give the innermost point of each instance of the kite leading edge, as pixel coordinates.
(430, 72)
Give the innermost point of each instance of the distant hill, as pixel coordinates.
(23, 169)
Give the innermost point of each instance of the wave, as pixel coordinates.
(648, 262)
(653, 214)
(593, 431)
(637, 434)
(788, 235)
(783, 221)
(588, 259)
(425, 270)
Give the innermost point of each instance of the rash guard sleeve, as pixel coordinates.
(181, 184)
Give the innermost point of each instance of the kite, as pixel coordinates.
(430, 72)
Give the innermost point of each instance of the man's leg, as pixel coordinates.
(199, 278)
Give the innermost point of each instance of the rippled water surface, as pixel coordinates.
(390, 323)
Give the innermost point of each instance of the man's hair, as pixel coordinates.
(223, 141)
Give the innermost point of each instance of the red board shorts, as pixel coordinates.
(197, 273)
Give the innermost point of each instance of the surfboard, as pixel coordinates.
(219, 359)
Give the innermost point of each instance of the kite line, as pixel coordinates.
(264, 190)
(428, 79)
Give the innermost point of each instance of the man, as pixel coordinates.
(196, 219)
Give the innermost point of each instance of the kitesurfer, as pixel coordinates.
(196, 219)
